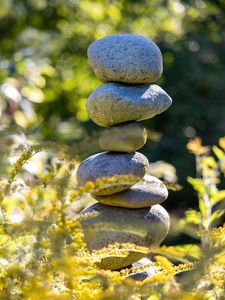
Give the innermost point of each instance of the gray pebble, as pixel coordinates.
(109, 164)
(115, 103)
(147, 272)
(143, 227)
(148, 192)
(126, 58)
(127, 137)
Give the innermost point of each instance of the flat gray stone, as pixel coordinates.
(109, 164)
(126, 58)
(127, 137)
(144, 227)
(115, 103)
(148, 192)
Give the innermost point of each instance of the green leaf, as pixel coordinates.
(173, 186)
(192, 216)
(217, 215)
(202, 207)
(197, 184)
(218, 152)
(181, 252)
(217, 197)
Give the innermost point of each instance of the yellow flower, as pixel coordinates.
(165, 263)
(89, 186)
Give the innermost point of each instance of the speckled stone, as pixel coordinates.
(127, 137)
(126, 58)
(147, 272)
(109, 164)
(148, 192)
(115, 103)
(143, 227)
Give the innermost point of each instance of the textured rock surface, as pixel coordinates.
(147, 272)
(108, 164)
(126, 58)
(148, 192)
(127, 137)
(114, 103)
(143, 227)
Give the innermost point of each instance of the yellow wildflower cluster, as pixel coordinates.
(43, 254)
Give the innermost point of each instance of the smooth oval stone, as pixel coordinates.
(110, 164)
(126, 58)
(115, 103)
(127, 137)
(147, 272)
(143, 227)
(148, 192)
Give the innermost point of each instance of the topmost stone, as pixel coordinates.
(128, 58)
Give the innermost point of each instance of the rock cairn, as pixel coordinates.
(128, 64)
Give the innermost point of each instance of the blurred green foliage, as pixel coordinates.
(45, 78)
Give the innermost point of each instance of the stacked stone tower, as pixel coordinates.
(126, 213)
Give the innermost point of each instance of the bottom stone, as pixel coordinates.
(145, 227)
(147, 272)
